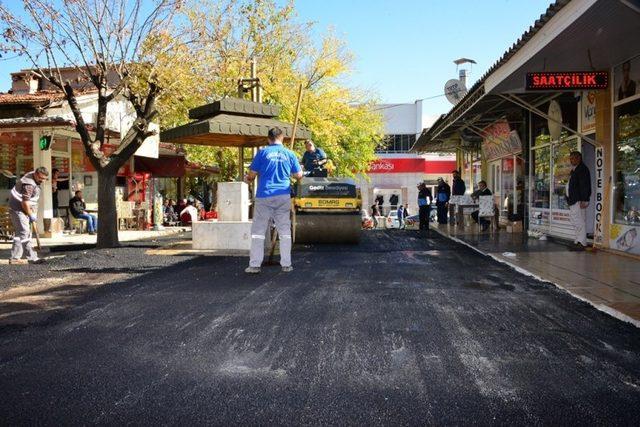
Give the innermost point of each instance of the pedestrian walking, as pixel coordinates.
(578, 194)
(424, 205)
(375, 213)
(400, 216)
(273, 165)
(23, 210)
(443, 194)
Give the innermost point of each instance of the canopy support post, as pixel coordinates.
(240, 163)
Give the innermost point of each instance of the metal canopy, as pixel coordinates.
(231, 122)
(600, 35)
(605, 35)
(445, 134)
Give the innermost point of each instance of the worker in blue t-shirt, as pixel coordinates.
(274, 165)
(313, 160)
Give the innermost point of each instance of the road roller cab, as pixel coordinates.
(327, 210)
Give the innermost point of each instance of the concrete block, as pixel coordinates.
(219, 235)
(233, 201)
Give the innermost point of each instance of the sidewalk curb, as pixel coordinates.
(600, 307)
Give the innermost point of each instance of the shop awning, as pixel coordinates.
(162, 167)
(231, 122)
(462, 128)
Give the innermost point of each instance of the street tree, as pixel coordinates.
(122, 49)
(229, 33)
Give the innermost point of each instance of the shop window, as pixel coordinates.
(541, 165)
(562, 172)
(627, 162)
(512, 186)
(569, 107)
(397, 143)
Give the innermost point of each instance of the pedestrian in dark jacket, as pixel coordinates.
(443, 194)
(578, 195)
(459, 187)
(424, 205)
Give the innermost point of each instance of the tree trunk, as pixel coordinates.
(107, 215)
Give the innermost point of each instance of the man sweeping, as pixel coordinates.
(23, 208)
(274, 165)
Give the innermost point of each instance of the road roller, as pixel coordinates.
(327, 210)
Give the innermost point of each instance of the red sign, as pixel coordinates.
(412, 165)
(567, 80)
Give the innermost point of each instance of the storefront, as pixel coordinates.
(502, 152)
(578, 87)
(398, 176)
(550, 167)
(625, 209)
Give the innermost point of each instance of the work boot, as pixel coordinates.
(252, 270)
(287, 269)
(38, 261)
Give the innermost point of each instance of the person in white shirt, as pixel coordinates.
(191, 210)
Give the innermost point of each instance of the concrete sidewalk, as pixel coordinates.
(608, 281)
(86, 239)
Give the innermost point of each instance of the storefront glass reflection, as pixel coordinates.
(541, 177)
(627, 144)
(561, 172)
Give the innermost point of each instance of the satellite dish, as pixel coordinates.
(554, 123)
(454, 90)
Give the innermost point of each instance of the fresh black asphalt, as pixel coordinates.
(400, 329)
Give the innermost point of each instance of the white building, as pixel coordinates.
(396, 171)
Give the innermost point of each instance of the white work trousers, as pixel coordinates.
(278, 209)
(22, 237)
(578, 217)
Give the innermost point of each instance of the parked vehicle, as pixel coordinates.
(392, 220)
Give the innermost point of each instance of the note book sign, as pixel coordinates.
(564, 80)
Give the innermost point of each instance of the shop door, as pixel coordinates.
(561, 171)
(496, 180)
(589, 159)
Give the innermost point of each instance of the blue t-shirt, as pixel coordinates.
(274, 165)
(308, 158)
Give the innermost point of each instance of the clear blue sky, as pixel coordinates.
(404, 48)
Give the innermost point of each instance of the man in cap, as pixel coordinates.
(23, 208)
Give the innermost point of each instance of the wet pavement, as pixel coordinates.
(397, 330)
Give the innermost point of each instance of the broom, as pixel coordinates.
(274, 232)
